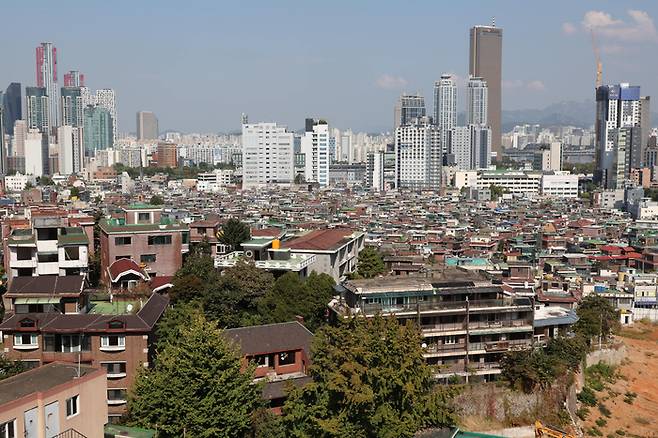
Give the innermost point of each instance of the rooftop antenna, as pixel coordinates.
(493, 21)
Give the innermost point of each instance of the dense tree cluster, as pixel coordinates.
(370, 264)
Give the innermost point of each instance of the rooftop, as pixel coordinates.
(320, 240)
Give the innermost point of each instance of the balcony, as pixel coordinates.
(447, 306)
(18, 264)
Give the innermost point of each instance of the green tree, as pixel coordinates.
(197, 274)
(156, 200)
(291, 296)
(45, 180)
(234, 233)
(197, 387)
(529, 370)
(370, 263)
(369, 380)
(496, 191)
(596, 316)
(9, 367)
(75, 192)
(175, 318)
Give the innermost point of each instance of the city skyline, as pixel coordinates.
(246, 69)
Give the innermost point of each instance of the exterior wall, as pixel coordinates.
(337, 263)
(92, 408)
(280, 370)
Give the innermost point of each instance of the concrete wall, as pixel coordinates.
(609, 356)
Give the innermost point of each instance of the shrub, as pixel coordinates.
(601, 422)
(587, 397)
(604, 410)
(582, 412)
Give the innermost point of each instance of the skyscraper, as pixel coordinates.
(618, 133)
(645, 123)
(147, 126)
(47, 78)
(445, 108)
(11, 101)
(36, 153)
(418, 155)
(477, 102)
(408, 108)
(97, 129)
(3, 146)
(471, 147)
(72, 109)
(74, 78)
(37, 105)
(315, 147)
(18, 140)
(71, 149)
(485, 61)
(106, 98)
(267, 155)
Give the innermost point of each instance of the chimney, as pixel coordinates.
(299, 319)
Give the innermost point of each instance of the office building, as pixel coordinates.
(71, 106)
(47, 78)
(618, 134)
(37, 108)
(36, 153)
(477, 101)
(548, 157)
(13, 106)
(71, 149)
(105, 98)
(74, 79)
(485, 61)
(267, 155)
(409, 108)
(418, 155)
(147, 126)
(315, 147)
(167, 154)
(445, 108)
(98, 124)
(645, 125)
(471, 147)
(375, 171)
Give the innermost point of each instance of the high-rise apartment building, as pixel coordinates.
(375, 170)
(106, 98)
(3, 146)
(315, 147)
(147, 126)
(36, 153)
(74, 78)
(37, 108)
(477, 102)
(645, 123)
(97, 129)
(418, 155)
(47, 78)
(471, 147)
(12, 104)
(167, 154)
(18, 140)
(618, 145)
(71, 149)
(445, 108)
(267, 155)
(409, 108)
(72, 108)
(485, 61)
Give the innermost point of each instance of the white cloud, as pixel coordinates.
(640, 28)
(518, 84)
(390, 82)
(569, 28)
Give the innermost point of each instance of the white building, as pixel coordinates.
(418, 155)
(213, 181)
(471, 147)
(559, 185)
(518, 183)
(16, 183)
(445, 108)
(315, 147)
(267, 155)
(549, 158)
(477, 96)
(71, 149)
(375, 171)
(36, 152)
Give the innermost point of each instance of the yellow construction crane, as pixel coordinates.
(542, 431)
(597, 55)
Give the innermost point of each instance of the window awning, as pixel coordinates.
(36, 301)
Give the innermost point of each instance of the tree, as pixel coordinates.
(9, 367)
(175, 318)
(528, 370)
(496, 191)
(157, 200)
(291, 296)
(75, 192)
(369, 380)
(234, 233)
(370, 263)
(45, 180)
(596, 317)
(191, 281)
(197, 387)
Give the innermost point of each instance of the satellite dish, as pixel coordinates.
(129, 307)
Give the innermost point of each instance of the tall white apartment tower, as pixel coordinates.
(418, 156)
(106, 98)
(477, 95)
(445, 108)
(71, 149)
(315, 147)
(267, 155)
(46, 63)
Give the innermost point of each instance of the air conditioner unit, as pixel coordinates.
(249, 254)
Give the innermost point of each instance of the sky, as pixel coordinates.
(199, 64)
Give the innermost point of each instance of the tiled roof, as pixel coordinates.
(122, 266)
(271, 338)
(321, 240)
(46, 285)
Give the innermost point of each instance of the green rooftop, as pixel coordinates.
(142, 206)
(116, 308)
(112, 430)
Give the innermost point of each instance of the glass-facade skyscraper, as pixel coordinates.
(37, 104)
(98, 125)
(11, 102)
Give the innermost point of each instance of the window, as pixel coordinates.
(8, 429)
(23, 254)
(143, 217)
(72, 252)
(147, 258)
(450, 340)
(287, 358)
(115, 369)
(125, 240)
(113, 342)
(26, 340)
(46, 233)
(28, 323)
(72, 406)
(71, 343)
(160, 240)
(121, 257)
(116, 396)
(48, 257)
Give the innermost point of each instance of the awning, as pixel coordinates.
(36, 301)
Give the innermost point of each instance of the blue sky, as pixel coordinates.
(200, 64)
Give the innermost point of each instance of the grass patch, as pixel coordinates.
(593, 431)
(598, 376)
(601, 422)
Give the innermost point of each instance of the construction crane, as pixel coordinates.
(597, 55)
(542, 431)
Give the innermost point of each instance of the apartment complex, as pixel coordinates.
(141, 233)
(267, 155)
(467, 323)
